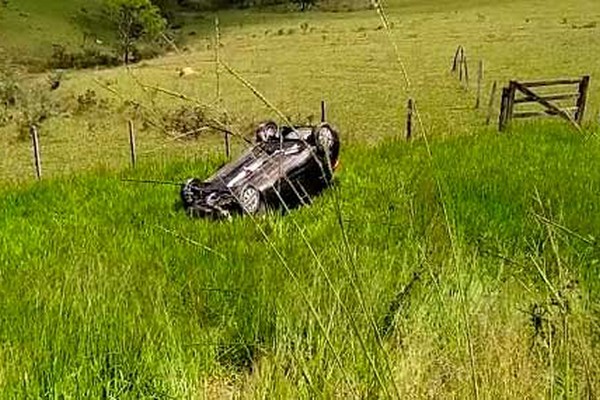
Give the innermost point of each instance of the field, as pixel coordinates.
(29, 28)
(463, 264)
(488, 285)
(344, 58)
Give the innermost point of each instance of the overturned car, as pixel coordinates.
(286, 167)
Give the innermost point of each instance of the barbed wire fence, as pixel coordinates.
(47, 157)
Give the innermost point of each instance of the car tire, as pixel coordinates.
(266, 131)
(251, 200)
(327, 142)
(189, 191)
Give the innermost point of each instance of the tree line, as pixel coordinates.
(136, 21)
(169, 6)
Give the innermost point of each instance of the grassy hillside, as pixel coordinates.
(474, 271)
(29, 28)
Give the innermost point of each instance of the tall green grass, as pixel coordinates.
(471, 273)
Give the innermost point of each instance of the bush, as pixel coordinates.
(186, 121)
(10, 90)
(89, 100)
(145, 52)
(134, 21)
(5, 117)
(35, 107)
(10, 93)
(88, 57)
(24, 106)
(343, 5)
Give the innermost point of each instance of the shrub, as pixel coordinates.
(88, 57)
(35, 107)
(186, 121)
(134, 21)
(10, 90)
(89, 100)
(24, 106)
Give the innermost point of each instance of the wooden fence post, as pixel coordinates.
(323, 111)
(491, 103)
(508, 105)
(479, 83)
(409, 114)
(582, 99)
(132, 143)
(456, 62)
(461, 62)
(227, 146)
(36, 151)
(217, 57)
(466, 66)
(503, 104)
(510, 101)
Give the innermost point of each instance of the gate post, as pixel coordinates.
(510, 102)
(491, 103)
(582, 100)
(503, 106)
(409, 114)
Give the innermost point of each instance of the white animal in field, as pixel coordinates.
(187, 71)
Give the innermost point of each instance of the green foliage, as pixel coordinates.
(10, 89)
(134, 20)
(12, 97)
(24, 105)
(188, 121)
(109, 290)
(87, 56)
(36, 106)
(169, 7)
(89, 101)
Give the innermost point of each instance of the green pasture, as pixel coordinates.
(29, 29)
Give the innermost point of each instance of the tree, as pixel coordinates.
(134, 20)
(304, 4)
(166, 6)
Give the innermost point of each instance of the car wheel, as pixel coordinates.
(250, 200)
(267, 131)
(189, 191)
(328, 143)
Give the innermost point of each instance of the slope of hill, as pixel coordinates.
(470, 272)
(29, 28)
